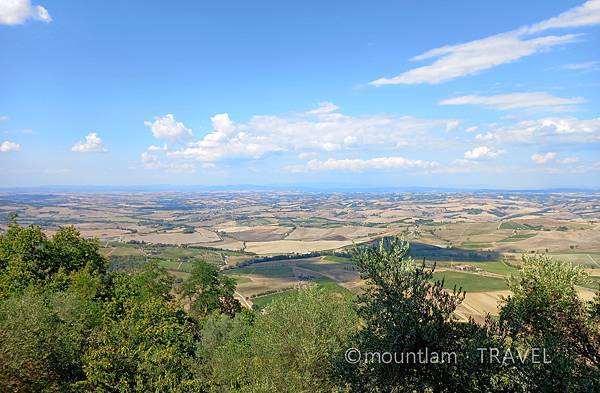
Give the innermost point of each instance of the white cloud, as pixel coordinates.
(470, 58)
(557, 130)
(452, 125)
(360, 165)
(543, 158)
(586, 66)
(568, 160)
(488, 136)
(167, 128)
(592, 167)
(482, 152)
(157, 148)
(92, 143)
(324, 108)
(471, 129)
(3, 118)
(16, 12)
(8, 146)
(328, 146)
(464, 162)
(306, 155)
(222, 123)
(514, 101)
(315, 130)
(152, 161)
(586, 14)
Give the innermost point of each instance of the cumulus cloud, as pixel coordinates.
(16, 12)
(557, 130)
(488, 136)
(543, 158)
(360, 165)
(453, 61)
(550, 156)
(157, 148)
(482, 152)
(167, 128)
(514, 101)
(92, 144)
(8, 146)
(320, 129)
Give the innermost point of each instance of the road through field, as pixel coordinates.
(246, 302)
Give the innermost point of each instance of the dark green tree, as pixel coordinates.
(151, 347)
(146, 342)
(42, 336)
(291, 346)
(404, 311)
(545, 312)
(208, 291)
(29, 258)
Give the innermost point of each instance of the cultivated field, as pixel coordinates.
(276, 242)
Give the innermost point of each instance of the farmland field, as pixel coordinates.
(470, 282)
(272, 243)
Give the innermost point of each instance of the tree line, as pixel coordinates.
(68, 324)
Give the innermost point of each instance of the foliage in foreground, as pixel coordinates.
(291, 346)
(546, 312)
(67, 324)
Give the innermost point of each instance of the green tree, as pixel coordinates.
(150, 348)
(42, 335)
(29, 258)
(146, 342)
(222, 349)
(290, 347)
(546, 312)
(403, 311)
(209, 291)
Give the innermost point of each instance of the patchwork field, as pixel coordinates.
(276, 242)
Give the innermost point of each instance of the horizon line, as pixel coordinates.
(290, 188)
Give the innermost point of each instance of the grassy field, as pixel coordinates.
(239, 279)
(591, 259)
(333, 258)
(475, 246)
(170, 257)
(324, 283)
(169, 265)
(515, 225)
(470, 282)
(262, 301)
(330, 285)
(497, 267)
(517, 237)
(265, 271)
(324, 267)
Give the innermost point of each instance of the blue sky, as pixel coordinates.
(337, 93)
